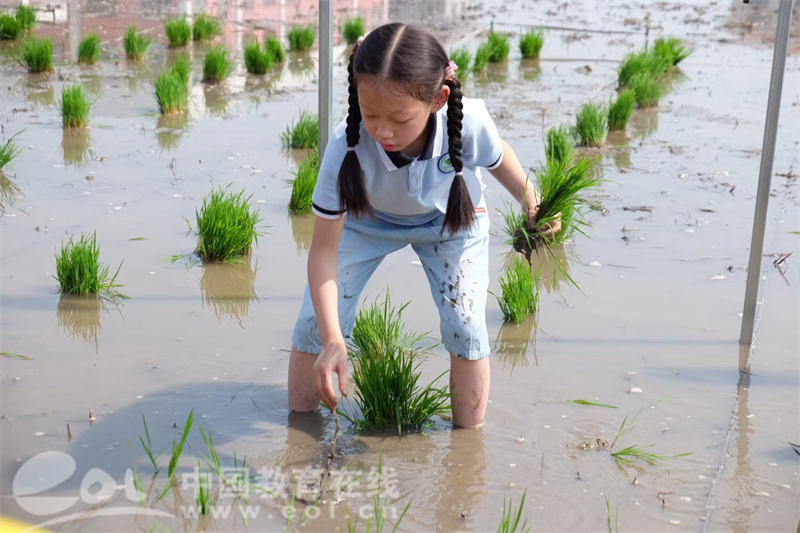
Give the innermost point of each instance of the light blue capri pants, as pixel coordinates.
(457, 267)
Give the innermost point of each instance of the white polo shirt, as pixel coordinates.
(406, 190)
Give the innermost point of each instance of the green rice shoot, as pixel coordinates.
(615, 528)
(620, 110)
(671, 49)
(172, 92)
(175, 456)
(275, 49)
(646, 89)
(10, 28)
(531, 43)
(482, 55)
(520, 295)
(205, 28)
(257, 60)
(26, 16)
(352, 29)
(386, 376)
(179, 31)
(644, 62)
(591, 403)
(10, 150)
(182, 68)
(216, 65)
(498, 47)
(80, 272)
(89, 49)
(203, 496)
(462, 57)
(303, 185)
(135, 44)
(75, 106)
(301, 38)
(37, 55)
(591, 125)
(559, 146)
(226, 226)
(302, 134)
(510, 521)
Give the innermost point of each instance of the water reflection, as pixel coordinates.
(38, 89)
(463, 483)
(644, 122)
(217, 98)
(743, 482)
(552, 264)
(619, 149)
(302, 66)
(76, 147)
(515, 341)
(530, 69)
(139, 73)
(170, 130)
(493, 73)
(10, 192)
(672, 80)
(302, 231)
(229, 288)
(80, 316)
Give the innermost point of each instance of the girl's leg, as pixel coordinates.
(469, 385)
(302, 397)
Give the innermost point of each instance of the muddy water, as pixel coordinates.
(650, 333)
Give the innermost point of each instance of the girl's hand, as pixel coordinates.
(553, 227)
(332, 358)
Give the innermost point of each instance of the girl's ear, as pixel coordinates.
(441, 99)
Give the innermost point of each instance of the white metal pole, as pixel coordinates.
(325, 72)
(765, 174)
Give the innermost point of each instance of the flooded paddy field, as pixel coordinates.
(653, 330)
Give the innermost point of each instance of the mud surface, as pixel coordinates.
(655, 330)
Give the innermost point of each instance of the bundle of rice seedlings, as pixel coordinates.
(620, 110)
(301, 38)
(182, 68)
(226, 226)
(303, 185)
(302, 134)
(646, 90)
(352, 29)
(644, 62)
(79, 271)
(386, 375)
(26, 16)
(462, 57)
(520, 296)
(510, 521)
(172, 92)
(671, 49)
(530, 44)
(75, 106)
(559, 146)
(257, 60)
(482, 55)
(591, 125)
(10, 150)
(205, 28)
(37, 55)
(216, 66)
(275, 49)
(136, 45)
(179, 31)
(89, 49)
(10, 28)
(498, 47)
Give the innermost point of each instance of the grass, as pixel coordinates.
(627, 456)
(216, 65)
(510, 521)
(461, 57)
(10, 150)
(75, 106)
(182, 68)
(26, 16)
(10, 28)
(302, 134)
(79, 271)
(644, 62)
(482, 55)
(226, 226)
(148, 446)
(303, 185)
(203, 495)
(179, 31)
(620, 110)
(257, 60)
(205, 28)
(591, 125)
(614, 529)
(520, 295)
(274, 47)
(136, 45)
(530, 44)
(671, 49)
(498, 47)
(385, 372)
(89, 49)
(352, 29)
(301, 38)
(37, 55)
(175, 456)
(646, 90)
(587, 402)
(172, 92)
(560, 146)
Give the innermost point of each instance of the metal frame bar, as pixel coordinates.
(325, 102)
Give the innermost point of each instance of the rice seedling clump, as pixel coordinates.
(559, 146)
(275, 49)
(302, 134)
(79, 270)
(205, 28)
(352, 29)
(171, 92)
(10, 28)
(136, 45)
(9, 150)
(216, 66)
(89, 49)
(591, 125)
(520, 296)
(179, 31)
(671, 49)
(182, 68)
(530, 44)
(226, 226)
(462, 57)
(498, 47)
(301, 38)
(646, 90)
(386, 375)
(510, 522)
(482, 55)
(26, 16)
(644, 62)
(620, 110)
(257, 60)
(37, 55)
(75, 107)
(303, 185)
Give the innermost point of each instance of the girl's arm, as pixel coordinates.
(323, 285)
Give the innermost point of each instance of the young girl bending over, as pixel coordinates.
(402, 169)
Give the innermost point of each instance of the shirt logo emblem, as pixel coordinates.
(445, 165)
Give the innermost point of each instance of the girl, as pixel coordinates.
(403, 169)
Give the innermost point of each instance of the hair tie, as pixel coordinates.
(450, 70)
(351, 148)
(459, 173)
(361, 39)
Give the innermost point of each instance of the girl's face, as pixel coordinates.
(395, 119)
